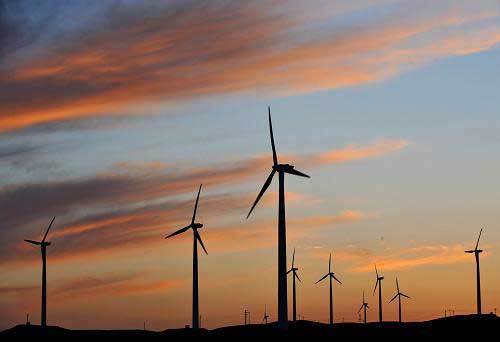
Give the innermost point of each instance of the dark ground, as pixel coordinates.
(456, 327)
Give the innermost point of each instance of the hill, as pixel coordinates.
(443, 328)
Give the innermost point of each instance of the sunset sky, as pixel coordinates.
(113, 112)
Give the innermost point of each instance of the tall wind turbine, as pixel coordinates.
(330, 276)
(43, 246)
(478, 276)
(379, 284)
(294, 276)
(266, 316)
(398, 295)
(364, 306)
(196, 239)
(281, 169)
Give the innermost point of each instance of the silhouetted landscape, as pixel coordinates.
(456, 327)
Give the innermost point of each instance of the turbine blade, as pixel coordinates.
(180, 231)
(264, 188)
(361, 308)
(33, 242)
(48, 228)
(477, 243)
(469, 251)
(275, 158)
(394, 297)
(376, 271)
(297, 173)
(198, 237)
(402, 294)
(330, 264)
(334, 277)
(363, 296)
(290, 270)
(326, 275)
(376, 284)
(293, 257)
(296, 275)
(196, 204)
(397, 285)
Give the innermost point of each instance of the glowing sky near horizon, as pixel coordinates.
(113, 112)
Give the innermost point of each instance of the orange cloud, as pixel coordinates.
(415, 257)
(82, 288)
(356, 152)
(200, 50)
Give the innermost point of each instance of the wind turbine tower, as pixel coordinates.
(379, 284)
(196, 239)
(364, 306)
(330, 276)
(43, 246)
(398, 295)
(281, 169)
(476, 252)
(294, 292)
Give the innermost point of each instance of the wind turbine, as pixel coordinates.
(43, 246)
(196, 239)
(266, 316)
(281, 169)
(478, 277)
(364, 306)
(399, 294)
(331, 276)
(379, 284)
(294, 275)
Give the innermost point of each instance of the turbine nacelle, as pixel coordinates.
(193, 225)
(477, 251)
(42, 243)
(197, 225)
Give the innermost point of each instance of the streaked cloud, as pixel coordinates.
(29, 203)
(179, 51)
(414, 257)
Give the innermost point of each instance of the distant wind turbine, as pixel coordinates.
(364, 306)
(398, 295)
(294, 276)
(266, 316)
(196, 239)
(281, 169)
(43, 246)
(379, 284)
(331, 276)
(478, 276)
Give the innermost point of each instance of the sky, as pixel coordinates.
(113, 113)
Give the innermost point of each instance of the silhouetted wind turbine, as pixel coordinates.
(478, 276)
(331, 276)
(399, 294)
(43, 246)
(266, 316)
(294, 297)
(196, 239)
(379, 284)
(364, 306)
(281, 169)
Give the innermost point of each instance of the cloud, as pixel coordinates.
(179, 51)
(28, 203)
(121, 285)
(414, 257)
(17, 290)
(248, 235)
(137, 203)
